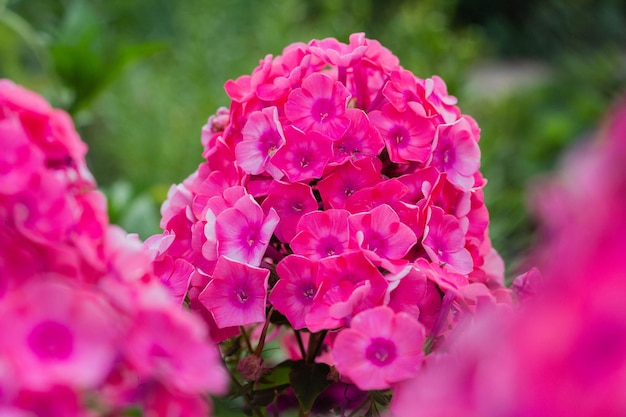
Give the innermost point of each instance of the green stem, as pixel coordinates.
(315, 345)
(246, 338)
(259, 348)
(356, 410)
(300, 344)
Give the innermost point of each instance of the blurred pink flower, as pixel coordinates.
(59, 334)
(562, 352)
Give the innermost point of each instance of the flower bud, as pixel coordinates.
(250, 367)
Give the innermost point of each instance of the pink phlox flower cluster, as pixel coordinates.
(87, 326)
(563, 351)
(335, 183)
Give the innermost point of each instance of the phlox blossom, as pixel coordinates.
(319, 105)
(19, 160)
(388, 192)
(170, 345)
(347, 179)
(293, 293)
(408, 135)
(353, 267)
(380, 348)
(304, 155)
(243, 232)
(359, 141)
(291, 201)
(437, 102)
(338, 53)
(321, 234)
(381, 236)
(55, 333)
(401, 89)
(236, 294)
(457, 153)
(262, 136)
(444, 241)
(418, 296)
(335, 304)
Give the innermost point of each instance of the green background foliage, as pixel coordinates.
(140, 79)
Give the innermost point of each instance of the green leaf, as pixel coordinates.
(278, 375)
(308, 380)
(381, 397)
(264, 397)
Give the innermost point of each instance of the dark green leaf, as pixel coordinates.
(278, 375)
(308, 380)
(264, 397)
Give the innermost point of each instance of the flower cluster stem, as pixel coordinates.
(246, 338)
(261, 345)
(300, 344)
(315, 345)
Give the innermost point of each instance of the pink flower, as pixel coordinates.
(388, 192)
(236, 295)
(291, 201)
(160, 400)
(381, 236)
(51, 130)
(347, 179)
(337, 53)
(262, 136)
(401, 89)
(55, 333)
(175, 276)
(293, 293)
(457, 153)
(319, 105)
(336, 303)
(304, 155)
(360, 140)
(20, 161)
(416, 295)
(353, 267)
(326, 171)
(243, 232)
(321, 234)
(170, 346)
(380, 348)
(408, 135)
(436, 101)
(444, 241)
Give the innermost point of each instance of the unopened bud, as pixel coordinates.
(250, 367)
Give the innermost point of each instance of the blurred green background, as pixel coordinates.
(141, 78)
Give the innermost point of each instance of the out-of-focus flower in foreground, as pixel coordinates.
(86, 326)
(563, 352)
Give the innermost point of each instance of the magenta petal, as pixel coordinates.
(293, 294)
(236, 295)
(243, 233)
